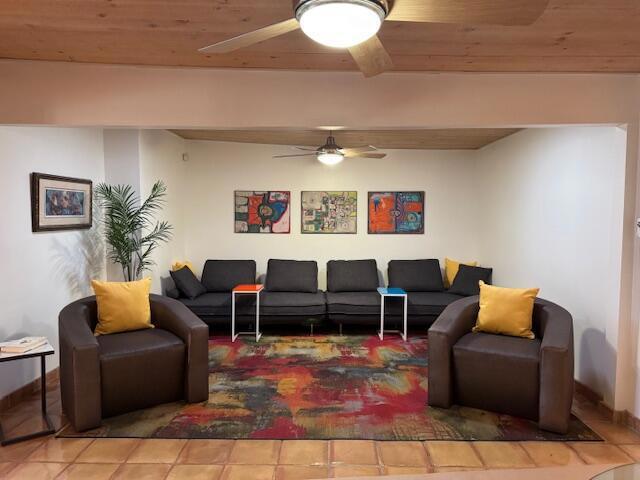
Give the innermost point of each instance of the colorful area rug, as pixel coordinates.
(323, 387)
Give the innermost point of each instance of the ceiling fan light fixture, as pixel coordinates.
(330, 158)
(340, 23)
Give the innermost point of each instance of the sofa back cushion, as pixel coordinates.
(467, 281)
(416, 275)
(224, 275)
(352, 275)
(292, 276)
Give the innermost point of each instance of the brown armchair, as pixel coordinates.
(525, 378)
(112, 374)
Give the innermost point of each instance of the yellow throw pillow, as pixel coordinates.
(451, 268)
(122, 306)
(506, 311)
(180, 265)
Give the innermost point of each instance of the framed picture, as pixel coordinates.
(329, 212)
(396, 212)
(60, 203)
(262, 211)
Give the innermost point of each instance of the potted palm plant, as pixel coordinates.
(131, 230)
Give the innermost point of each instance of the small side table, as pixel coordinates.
(392, 292)
(245, 290)
(42, 351)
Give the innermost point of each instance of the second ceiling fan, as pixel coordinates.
(354, 24)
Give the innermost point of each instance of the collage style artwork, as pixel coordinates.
(396, 212)
(262, 212)
(329, 212)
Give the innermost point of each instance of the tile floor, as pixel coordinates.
(89, 459)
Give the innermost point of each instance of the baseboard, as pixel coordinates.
(621, 417)
(24, 392)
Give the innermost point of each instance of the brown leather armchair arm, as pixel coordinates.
(555, 326)
(456, 321)
(173, 316)
(79, 364)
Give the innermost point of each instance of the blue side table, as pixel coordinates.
(392, 292)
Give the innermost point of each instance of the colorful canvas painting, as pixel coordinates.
(329, 212)
(262, 212)
(63, 203)
(396, 212)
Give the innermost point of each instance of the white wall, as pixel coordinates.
(161, 159)
(216, 169)
(550, 214)
(42, 272)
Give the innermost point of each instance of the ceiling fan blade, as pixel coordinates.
(366, 155)
(251, 38)
(371, 57)
(491, 12)
(298, 155)
(306, 149)
(356, 150)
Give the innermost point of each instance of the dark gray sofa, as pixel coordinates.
(291, 293)
(352, 296)
(219, 277)
(426, 295)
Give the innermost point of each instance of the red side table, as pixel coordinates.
(245, 290)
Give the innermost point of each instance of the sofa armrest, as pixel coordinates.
(173, 316)
(80, 365)
(456, 321)
(556, 366)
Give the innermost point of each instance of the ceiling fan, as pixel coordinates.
(331, 153)
(354, 24)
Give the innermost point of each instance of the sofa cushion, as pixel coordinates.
(224, 275)
(416, 275)
(292, 303)
(219, 304)
(498, 373)
(356, 303)
(352, 276)
(292, 276)
(187, 283)
(467, 281)
(139, 369)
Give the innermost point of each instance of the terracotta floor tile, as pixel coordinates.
(410, 454)
(304, 452)
(301, 472)
(503, 455)
(255, 452)
(195, 472)
(108, 450)
(39, 471)
(141, 471)
(19, 451)
(354, 452)
(632, 450)
(355, 471)
(64, 450)
(596, 453)
(246, 472)
(614, 433)
(551, 454)
(452, 454)
(5, 467)
(157, 450)
(457, 469)
(88, 471)
(204, 452)
(396, 470)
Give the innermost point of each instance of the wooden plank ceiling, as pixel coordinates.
(571, 36)
(424, 139)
